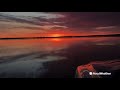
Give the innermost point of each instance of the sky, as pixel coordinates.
(36, 24)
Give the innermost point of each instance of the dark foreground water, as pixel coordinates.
(54, 57)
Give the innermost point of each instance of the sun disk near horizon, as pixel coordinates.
(56, 35)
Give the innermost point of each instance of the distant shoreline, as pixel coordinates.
(113, 35)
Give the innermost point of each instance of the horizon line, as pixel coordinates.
(109, 35)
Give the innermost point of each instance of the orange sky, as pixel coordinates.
(51, 34)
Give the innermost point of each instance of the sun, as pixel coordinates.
(56, 35)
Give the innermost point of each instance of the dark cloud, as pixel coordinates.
(91, 19)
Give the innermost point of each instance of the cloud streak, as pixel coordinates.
(107, 27)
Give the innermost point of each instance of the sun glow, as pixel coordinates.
(56, 35)
(56, 39)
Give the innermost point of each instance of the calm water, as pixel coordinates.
(57, 57)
